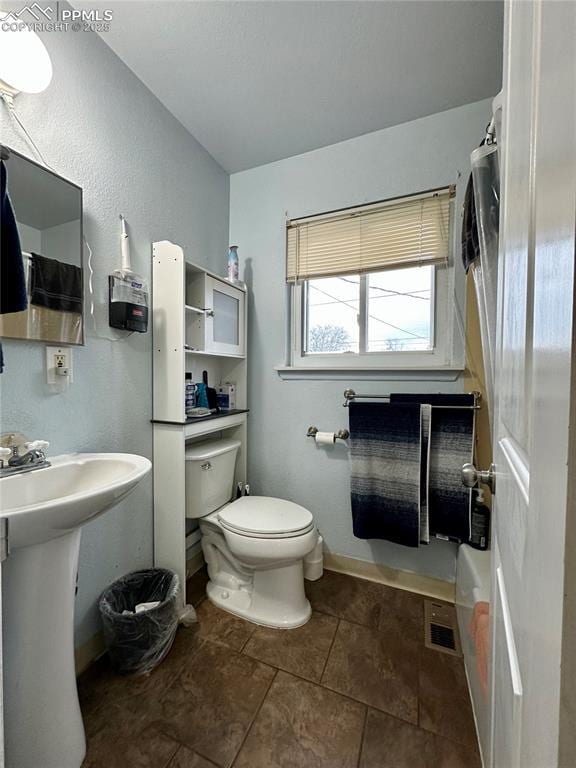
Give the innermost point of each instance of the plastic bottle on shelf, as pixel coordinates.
(189, 394)
(233, 274)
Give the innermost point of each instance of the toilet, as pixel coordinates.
(255, 547)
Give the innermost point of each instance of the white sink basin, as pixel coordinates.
(45, 509)
(46, 503)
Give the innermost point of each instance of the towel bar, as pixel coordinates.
(349, 395)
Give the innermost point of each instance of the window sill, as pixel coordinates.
(351, 373)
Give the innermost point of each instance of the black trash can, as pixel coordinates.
(137, 642)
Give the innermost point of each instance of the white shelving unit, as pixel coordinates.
(199, 324)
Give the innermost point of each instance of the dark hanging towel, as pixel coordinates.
(12, 275)
(55, 285)
(469, 235)
(451, 445)
(385, 471)
(13, 296)
(470, 243)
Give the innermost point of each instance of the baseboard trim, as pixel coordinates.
(392, 577)
(87, 653)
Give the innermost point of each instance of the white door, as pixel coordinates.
(533, 381)
(3, 556)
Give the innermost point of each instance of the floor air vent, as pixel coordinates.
(441, 631)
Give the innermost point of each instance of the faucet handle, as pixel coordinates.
(12, 440)
(37, 445)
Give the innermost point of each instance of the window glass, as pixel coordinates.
(332, 306)
(390, 311)
(399, 314)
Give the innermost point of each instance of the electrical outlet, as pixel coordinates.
(58, 365)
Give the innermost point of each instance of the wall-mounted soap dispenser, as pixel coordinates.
(128, 293)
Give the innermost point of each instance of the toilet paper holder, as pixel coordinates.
(342, 434)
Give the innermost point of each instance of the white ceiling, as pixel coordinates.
(260, 81)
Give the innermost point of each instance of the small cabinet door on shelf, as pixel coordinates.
(215, 315)
(224, 324)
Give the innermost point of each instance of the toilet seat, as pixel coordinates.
(264, 517)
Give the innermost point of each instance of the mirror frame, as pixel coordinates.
(5, 153)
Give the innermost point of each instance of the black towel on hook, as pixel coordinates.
(469, 237)
(55, 285)
(12, 275)
(434, 399)
(470, 244)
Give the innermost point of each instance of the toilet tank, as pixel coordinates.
(209, 475)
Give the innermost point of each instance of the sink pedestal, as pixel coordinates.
(43, 724)
(45, 510)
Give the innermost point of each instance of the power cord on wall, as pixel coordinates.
(8, 100)
(91, 292)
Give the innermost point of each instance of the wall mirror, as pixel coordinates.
(48, 213)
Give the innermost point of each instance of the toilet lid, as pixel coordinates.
(266, 516)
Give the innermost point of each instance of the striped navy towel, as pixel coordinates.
(385, 456)
(451, 444)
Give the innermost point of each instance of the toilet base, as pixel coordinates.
(275, 598)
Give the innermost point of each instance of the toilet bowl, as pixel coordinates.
(254, 547)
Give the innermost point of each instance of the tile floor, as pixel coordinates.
(354, 688)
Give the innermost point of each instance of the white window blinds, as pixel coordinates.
(406, 232)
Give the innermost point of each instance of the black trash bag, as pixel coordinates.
(138, 642)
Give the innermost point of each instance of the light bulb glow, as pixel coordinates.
(25, 63)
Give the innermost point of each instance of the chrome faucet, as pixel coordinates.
(12, 458)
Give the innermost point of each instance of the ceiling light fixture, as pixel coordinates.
(25, 64)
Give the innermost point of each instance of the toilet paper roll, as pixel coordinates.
(325, 438)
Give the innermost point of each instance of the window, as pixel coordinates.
(370, 285)
(387, 311)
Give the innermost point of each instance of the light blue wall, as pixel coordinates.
(98, 125)
(416, 156)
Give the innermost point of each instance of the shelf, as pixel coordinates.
(216, 423)
(198, 419)
(196, 269)
(203, 425)
(213, 416)
(202, 353)
(180, 318)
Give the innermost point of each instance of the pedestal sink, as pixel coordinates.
(45, 509)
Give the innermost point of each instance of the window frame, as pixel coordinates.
(437, 357)
(445, 362)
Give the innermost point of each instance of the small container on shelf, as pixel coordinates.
(480, 533)
(227, 396)
(189, 394)
(233, 273)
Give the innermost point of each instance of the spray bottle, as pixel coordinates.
(480, 529)
(128, 292)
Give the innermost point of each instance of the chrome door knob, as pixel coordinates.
(472, 476)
